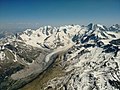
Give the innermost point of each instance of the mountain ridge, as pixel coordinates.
(91, 53)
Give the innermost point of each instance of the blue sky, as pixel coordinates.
(59, 12)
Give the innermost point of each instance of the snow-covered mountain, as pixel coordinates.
(88, 55)
(115, 27)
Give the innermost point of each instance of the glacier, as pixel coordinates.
(88, 55)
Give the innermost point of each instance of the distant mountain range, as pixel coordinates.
(88, 57)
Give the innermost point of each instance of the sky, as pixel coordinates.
(59, 12)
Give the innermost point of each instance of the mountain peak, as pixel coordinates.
(115, 27)
(93, 26)
(90, 26)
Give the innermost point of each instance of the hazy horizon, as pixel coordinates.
(34, 13)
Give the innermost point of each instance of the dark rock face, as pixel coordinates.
(5, 79)
(115, 84)
(116, 42)
(115, 28)
(11, 47)
(100, 43)
(90, 26)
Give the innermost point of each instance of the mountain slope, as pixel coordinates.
(88, 55)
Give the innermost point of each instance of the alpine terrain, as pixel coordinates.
(70, 57)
